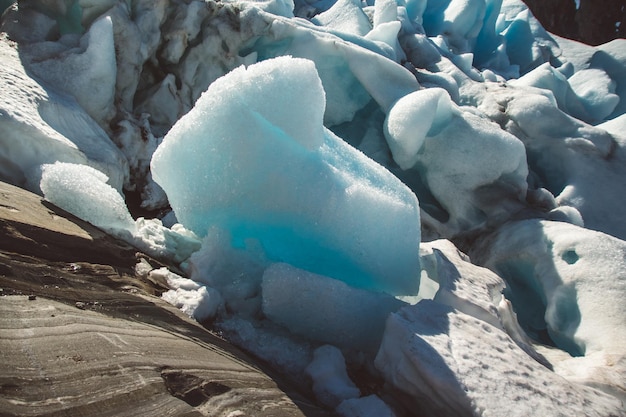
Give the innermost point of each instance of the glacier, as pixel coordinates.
(408, 207)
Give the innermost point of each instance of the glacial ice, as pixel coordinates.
(324, 309)
(369, 406)
(355, 222)
(331, 383)
(92, 65)
(84, 192)
(498, 127)
(449, 363)
(191, 298)
(40, 125)
(566, 273)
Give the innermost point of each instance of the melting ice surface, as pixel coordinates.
(266, 169)
(304, 250)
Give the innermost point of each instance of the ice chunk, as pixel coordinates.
(385, 11)
(590, 161)
(277, 7)
(279, 350)
(449, 363)
(597, 92)
(462, 22)
(527, 43)
(270, 172)
(345, 16)
(91, 67)
(83, 191)
(547, 77)
(235, 272)
(191, 298)
(331, 383)
(351, 68)
(567, 281)
(467, 287)
(464, 162)
(387, 34)
(412, 118)
(473, 290)
(175, 243)
(324, 309)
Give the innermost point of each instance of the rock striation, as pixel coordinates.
(81, 333)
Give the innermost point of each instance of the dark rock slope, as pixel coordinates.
(82, 335)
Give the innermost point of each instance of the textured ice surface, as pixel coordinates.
(193, 299)
(84, 192)
(345, 16)
(567, 281)
(90, 65)
(453, 364)
(466, 163)
(278, 177)
(39, 125)
(597, 92)
(324, 309)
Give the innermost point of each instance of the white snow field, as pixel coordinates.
(408, 207)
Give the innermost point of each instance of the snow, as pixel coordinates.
(423, 193)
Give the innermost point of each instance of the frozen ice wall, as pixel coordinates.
(254, 159)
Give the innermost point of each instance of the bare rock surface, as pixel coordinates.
(82, 334)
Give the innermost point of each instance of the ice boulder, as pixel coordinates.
(254, 158)
(469, 171)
